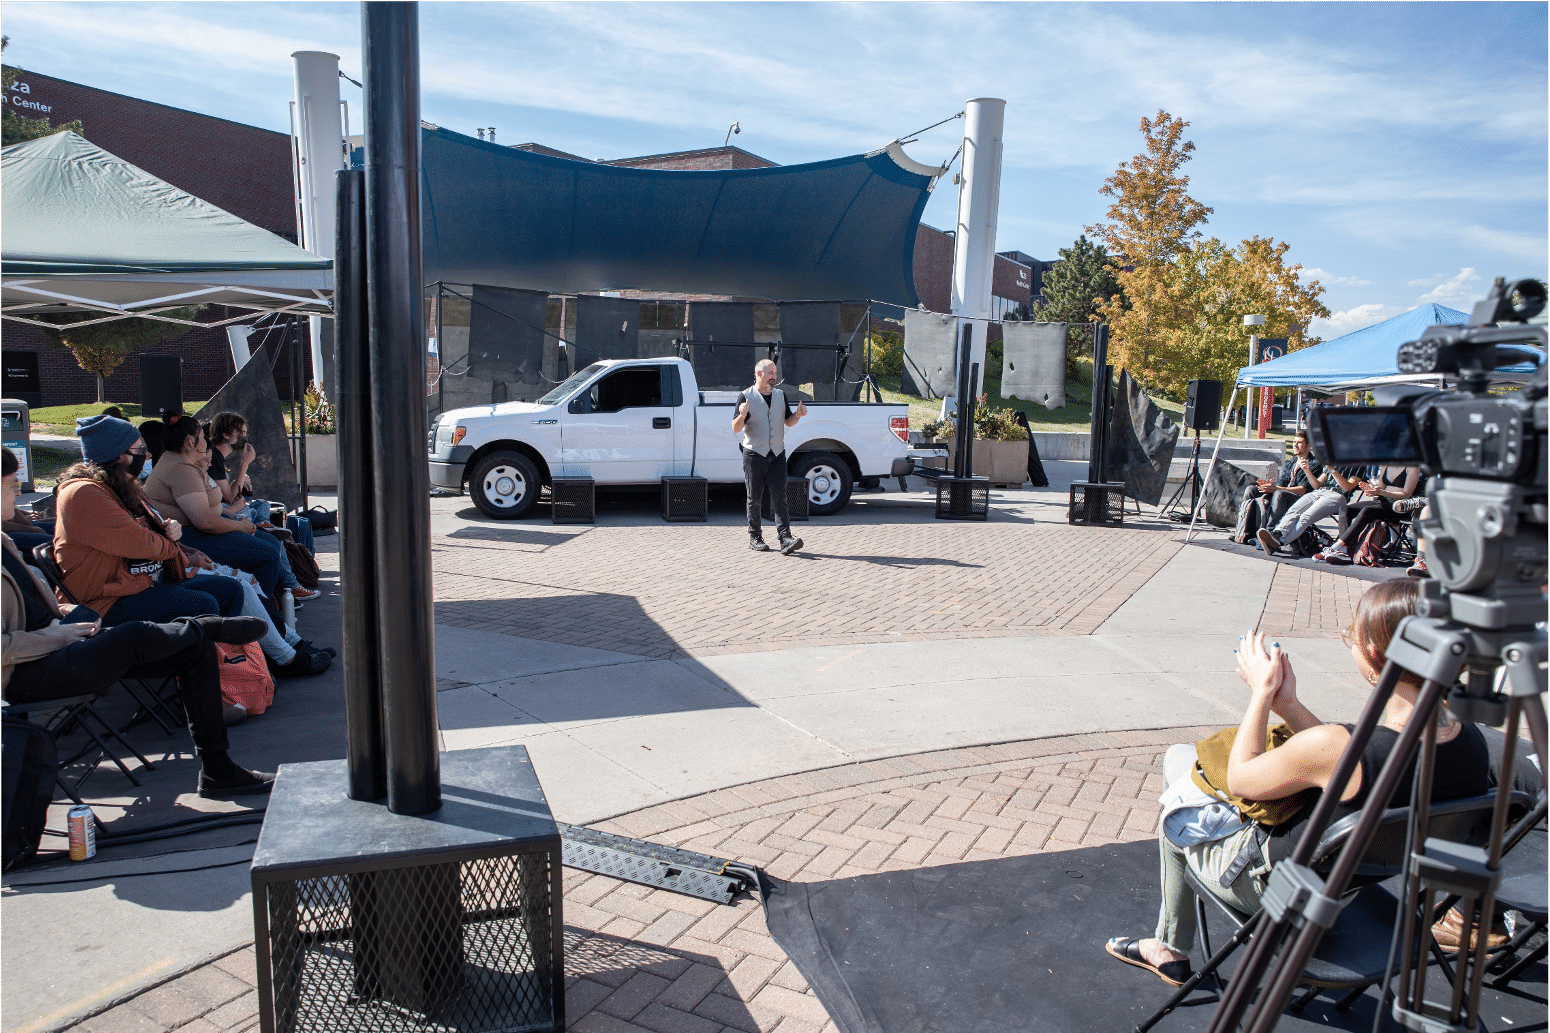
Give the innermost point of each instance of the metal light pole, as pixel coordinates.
(401, 480)
(1248, 407)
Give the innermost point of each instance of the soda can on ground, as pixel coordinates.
(83, 833)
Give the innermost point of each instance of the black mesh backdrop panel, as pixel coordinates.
(607, 328)
(808, 322)
(1141, 440)
(506, 335)
(1034, 363)
(930, 343)
(727, 367)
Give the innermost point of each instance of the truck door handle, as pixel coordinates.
(661, 422)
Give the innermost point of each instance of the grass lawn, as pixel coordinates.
(60, 419)
(49, 461)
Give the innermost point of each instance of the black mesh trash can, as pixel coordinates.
(571, 500)
(685, 499)
(963, 498)
(367, 920)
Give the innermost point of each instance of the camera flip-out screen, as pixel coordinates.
(1367, 436)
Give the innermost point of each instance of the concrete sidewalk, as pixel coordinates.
(632, 661)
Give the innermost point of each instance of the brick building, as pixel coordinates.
(239, 168)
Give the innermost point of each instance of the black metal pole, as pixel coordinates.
(1100, 400)
(963, 446)
(366, 758)
(400, 478)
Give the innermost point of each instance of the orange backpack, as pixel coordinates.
(245, 676)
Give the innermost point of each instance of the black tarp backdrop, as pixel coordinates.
(252, 395)
(809, 323)
(729, 366)
(1034, 362)
(606, 328)
(1140, 441)
(832, 229)
(506, 335)
(930, 347)
(1223, 492)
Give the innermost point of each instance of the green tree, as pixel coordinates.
(13, 127)
(1076, 286)
(101, 348)
(1153, 222)
(1218, 285)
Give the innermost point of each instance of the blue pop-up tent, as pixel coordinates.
(1363, 355)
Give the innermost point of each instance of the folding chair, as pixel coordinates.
(1523, 890)
(1354, 954)
(152, 701)
(78, 710)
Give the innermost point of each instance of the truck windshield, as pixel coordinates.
(572, 382)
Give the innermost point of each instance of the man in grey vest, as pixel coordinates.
(762, 418)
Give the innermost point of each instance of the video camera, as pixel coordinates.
(1486, 524)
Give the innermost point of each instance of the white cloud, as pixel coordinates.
(1454, 291)
(1341, 323)
(1329, 279)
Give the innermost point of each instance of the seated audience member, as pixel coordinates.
(27, 533)
(1419, 568)
(121, 558)
(1299, 475)
(180, 487)
(1200, 832)
(230, 457)
(289, 655)
(1393, 484)
(46, 658)
(1328, 500)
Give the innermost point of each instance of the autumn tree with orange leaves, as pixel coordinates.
(1178, 316)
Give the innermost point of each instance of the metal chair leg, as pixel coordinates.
(115, 733)
(1305, 1000)
(151, 705)
(1350, 997)
(1244, 932)
(1501, 981)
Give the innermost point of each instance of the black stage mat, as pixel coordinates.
(1016, 945)
(1345, 569)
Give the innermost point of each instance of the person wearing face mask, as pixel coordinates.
(180, 487)
(51, 653)
(119, 556)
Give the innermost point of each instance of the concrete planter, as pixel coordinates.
(1002, 462)
(322, 460)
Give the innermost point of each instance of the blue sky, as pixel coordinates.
(1399, 148)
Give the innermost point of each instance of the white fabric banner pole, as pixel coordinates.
(979, 198)
(1189, 535)
(320, 154)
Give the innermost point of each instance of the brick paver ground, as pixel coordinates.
(639, 959)
(622, 587)
(1308, 603)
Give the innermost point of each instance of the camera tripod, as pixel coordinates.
(1468, 634)
(1194, 483)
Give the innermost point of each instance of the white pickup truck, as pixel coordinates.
(635, 421)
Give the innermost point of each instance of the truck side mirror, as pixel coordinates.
(579, 404)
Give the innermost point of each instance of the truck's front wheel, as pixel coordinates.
(829, 482)
(504, 485)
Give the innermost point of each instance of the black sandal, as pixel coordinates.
(1128, 950)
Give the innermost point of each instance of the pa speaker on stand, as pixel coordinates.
(1203, 405)
(1202, 411)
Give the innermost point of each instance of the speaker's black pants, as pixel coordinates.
(134, 649)
(761, 474)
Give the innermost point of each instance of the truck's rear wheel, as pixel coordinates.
(504, 485)
(829, 482)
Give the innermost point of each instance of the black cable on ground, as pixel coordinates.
(130, 875)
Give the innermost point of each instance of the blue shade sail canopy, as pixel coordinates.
(840, 229)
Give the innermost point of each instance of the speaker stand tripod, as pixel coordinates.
(1193, 482)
